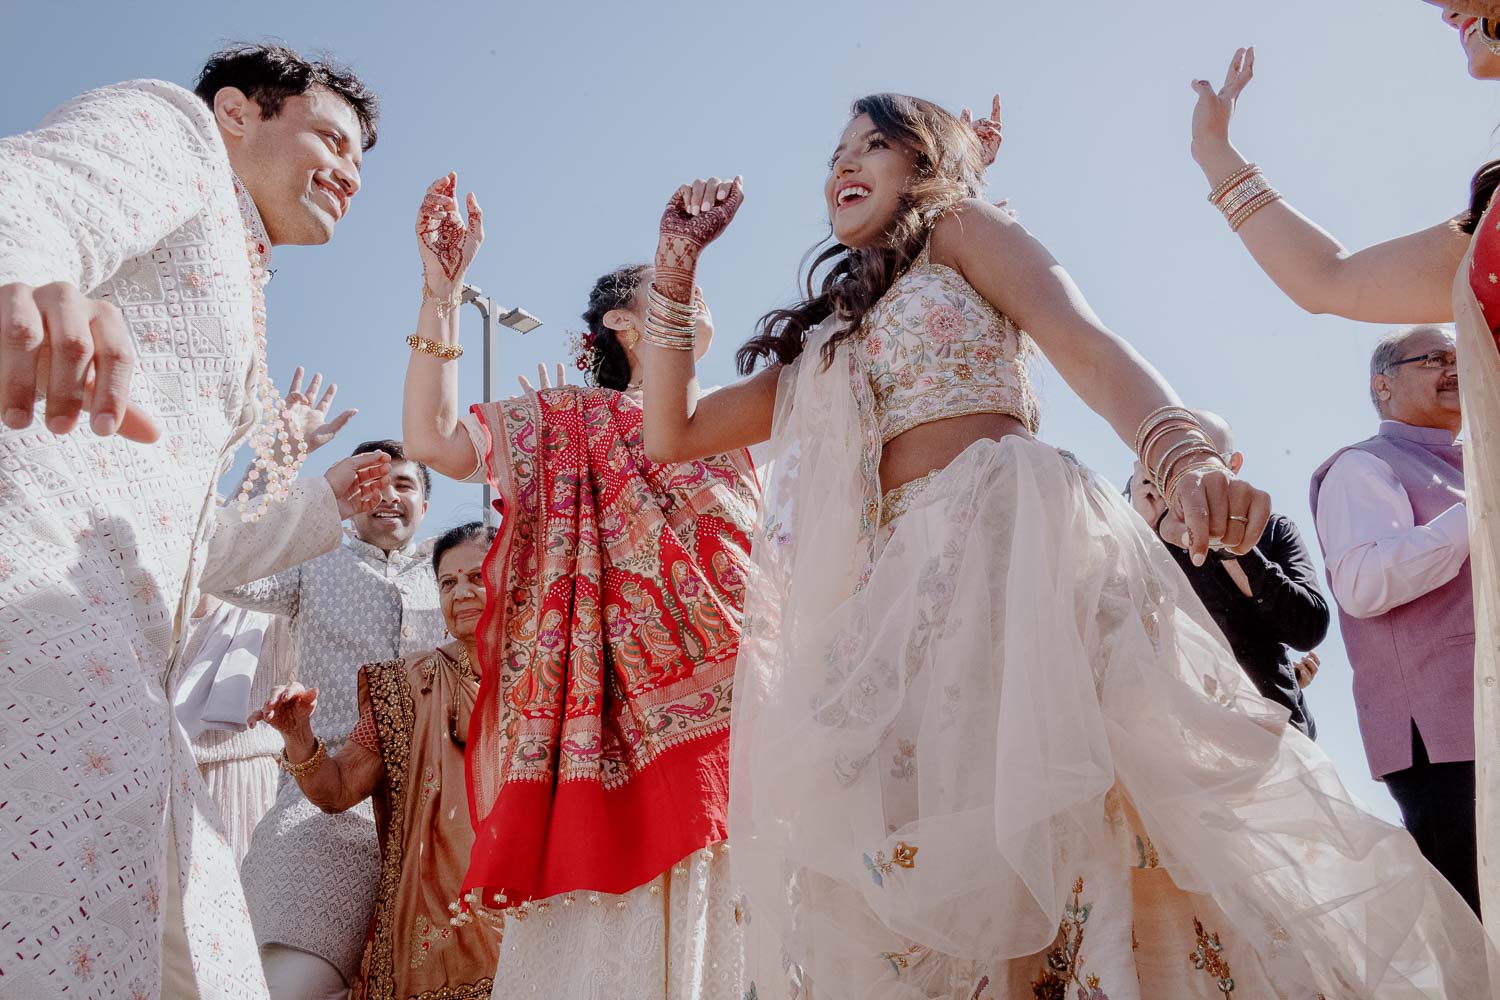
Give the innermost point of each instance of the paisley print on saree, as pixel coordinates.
(616, 589)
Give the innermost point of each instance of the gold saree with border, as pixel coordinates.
(420, 705)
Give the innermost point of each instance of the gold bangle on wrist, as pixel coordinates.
(298, 770)
(669, 342)
(1166, 468)
(448, 352)
(1260, 201)
(1169, 495)
(1157, 417)
(671, 308)
(1224, 186)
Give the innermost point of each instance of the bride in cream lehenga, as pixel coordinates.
(986, 743)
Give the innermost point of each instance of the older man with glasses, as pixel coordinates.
(1391, 519)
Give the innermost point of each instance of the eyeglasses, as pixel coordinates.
(1431, 360)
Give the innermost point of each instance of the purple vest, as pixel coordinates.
(1415, 663)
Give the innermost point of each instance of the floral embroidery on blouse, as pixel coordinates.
(934, 348)
(1209, 957)
(1064, 964)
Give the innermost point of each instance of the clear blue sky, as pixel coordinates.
(574, 122)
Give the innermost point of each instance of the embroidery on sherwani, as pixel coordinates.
(1064, 964)
(389, 690)
(615, 597)
(1209, 957)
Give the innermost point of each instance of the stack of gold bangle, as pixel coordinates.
(1242, 194)
(448, 352)
(669, 323)
(320, 750)
(1173, 463)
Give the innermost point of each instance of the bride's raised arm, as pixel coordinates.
(429, 412)
(676, 424)
(1017, 275)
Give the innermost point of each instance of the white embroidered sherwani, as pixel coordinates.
(127, 193)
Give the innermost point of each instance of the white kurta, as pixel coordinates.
(127, 193)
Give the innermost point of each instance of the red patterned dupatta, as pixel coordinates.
(598, 754)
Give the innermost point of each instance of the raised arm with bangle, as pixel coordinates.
(430, 426)
(1408, 279)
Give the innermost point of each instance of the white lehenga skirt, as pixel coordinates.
(675, 938)
(1003, 753)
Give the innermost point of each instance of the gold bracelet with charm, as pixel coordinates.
(444, 304)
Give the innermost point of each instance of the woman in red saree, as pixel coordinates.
(1446, 273)
(598, 752)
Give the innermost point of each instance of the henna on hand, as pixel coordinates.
(683, 238)
(676, 267)
(441, 231)
(445, 236)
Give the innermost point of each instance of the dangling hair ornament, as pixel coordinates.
(581, 349)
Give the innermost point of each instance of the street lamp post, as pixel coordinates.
(518, 320)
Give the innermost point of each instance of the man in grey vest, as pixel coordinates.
(1391, 520)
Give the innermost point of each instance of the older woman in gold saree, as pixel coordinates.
(407, 751)
(1445, 273)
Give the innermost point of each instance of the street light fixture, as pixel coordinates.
(516, 319)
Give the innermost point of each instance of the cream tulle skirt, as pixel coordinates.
(1004, 753)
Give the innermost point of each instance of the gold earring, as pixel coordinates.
(629, 337)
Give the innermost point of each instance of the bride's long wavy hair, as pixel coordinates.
(948, 169)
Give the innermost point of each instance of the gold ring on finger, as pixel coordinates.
(1240, 518)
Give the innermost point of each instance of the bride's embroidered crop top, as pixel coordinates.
(933, 347)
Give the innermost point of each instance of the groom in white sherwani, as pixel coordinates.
(136, 228)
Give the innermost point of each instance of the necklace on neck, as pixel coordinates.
(466, 672)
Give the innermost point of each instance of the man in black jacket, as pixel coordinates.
(1266, 602)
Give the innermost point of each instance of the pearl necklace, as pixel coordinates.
(280, 448)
